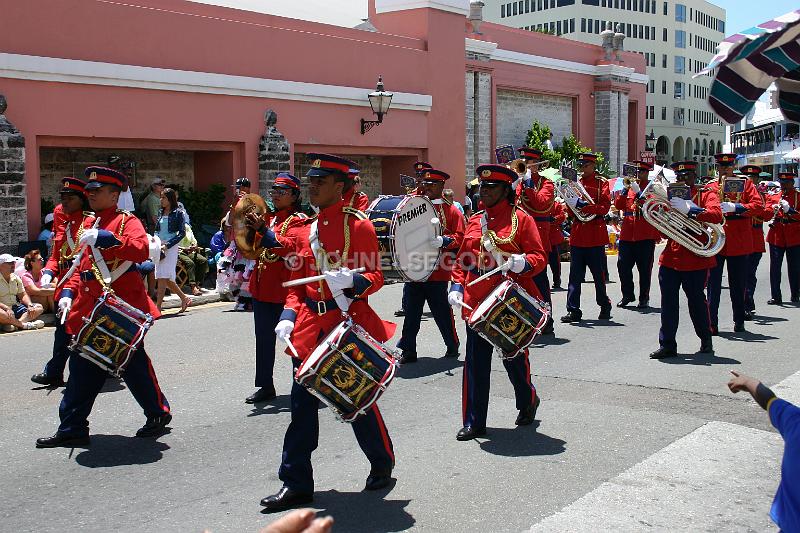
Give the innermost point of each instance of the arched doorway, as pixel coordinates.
(677, 149)
(662, 149)
(689, 150)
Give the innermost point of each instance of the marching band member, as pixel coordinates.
(68, 227)
(270, 271)
(681, 268)
(556, 238)
(760, 215)
(120, 239)
(501, 232)
(536, 196)
(434, 289)
(587, 242)
(419, 169)
(784, 238)
(738, 208)
(333, 242)
(637, 240)
(354, 197)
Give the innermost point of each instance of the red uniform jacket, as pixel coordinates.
(358, 200)
(761, 215)
(537, 198)
(594, 232)
(678, 257)
(133, 246)
(634, 226)
(559, 216)
(739, 227)
(301, 300)
(472, 256)
(785, 229)
(453, 232)
(271, 268)
(65, 243)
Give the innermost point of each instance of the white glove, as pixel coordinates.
(89, 237)
(437, 242)
(283, 330)
(435, 221)
(455, 298)
(728, 207)
(571, 202)
(64, 305)
(516, 263)
(681, 205)
(635, 187)
(338, 280)
(47, 278)
(785, 206)
(488, 245)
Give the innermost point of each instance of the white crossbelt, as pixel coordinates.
(322, 266)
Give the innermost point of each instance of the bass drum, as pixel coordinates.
(405, 226)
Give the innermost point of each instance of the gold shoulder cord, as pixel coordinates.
(266, 255)
(323, 255)
(528, 207)
(442, 217)
(496, 240)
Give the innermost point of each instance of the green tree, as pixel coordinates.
(568, 150)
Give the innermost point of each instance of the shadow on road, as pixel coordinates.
(549, 340)
(763, 320)
(704, 359)
(367, 511)
(521, 441)
(107, 451)
(113, 384)
(426, 366)
(588, 323)
(746, 336)
(281, 404)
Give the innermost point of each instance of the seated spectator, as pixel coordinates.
(17, 311)
(31, 280)
(171, 228)
(194, 260)
(47, 232)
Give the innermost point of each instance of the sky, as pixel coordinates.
(348, 13)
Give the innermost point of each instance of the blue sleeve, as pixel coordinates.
(739, 208)
(181, 232)
(785, 417)
(106, 239)
(457, 287)
(288, 314)
(269, 240)
(360, 286)
(694, 211)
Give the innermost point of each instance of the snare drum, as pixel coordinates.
(111, 333)
(510, 319)
(405, 226)
(348, 371)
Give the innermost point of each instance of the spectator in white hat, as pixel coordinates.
(17, 311)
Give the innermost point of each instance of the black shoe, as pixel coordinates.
(155, 426)
(44, 379)
(774, 301)
(527, 415)
(62, 440)
(286, 498)
(469, 433)
(643, 304)
(400, 312)
(378, 479)
(261, 395)
(556, 287)
(571, 316)
(605, 314)
(739, 328)
(548, 328)
(663, 353)
(407, 357)
(625, 301)
(706, 346)
(794, 299)
(748, 316)
(452, 353)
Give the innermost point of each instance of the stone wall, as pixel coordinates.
(13, 200)
(516, 111)
(611, 127)
(176, 167)
(273, 153)
(371, 173)
(478, 111)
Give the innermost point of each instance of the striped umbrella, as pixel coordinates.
(749, 62)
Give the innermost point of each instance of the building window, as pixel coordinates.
(527, 6)
(680, 39)
(583, 25)
(572, 25)
(679, 94)
(664, 87)
(588, 2)
(665, 9)
(515, 8)
(664, 35)
(680, 65)
(502, 11)
(677, 117)
(652, 86)
(663, 113)
(680, 13)
(558, 28)
(663, 60)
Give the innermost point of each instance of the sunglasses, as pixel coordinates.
(489, 185)
(279, 192)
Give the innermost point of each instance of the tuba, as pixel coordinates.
(700, 238)
(569, 188)
(244, 236)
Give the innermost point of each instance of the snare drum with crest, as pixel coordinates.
(510, 319)
(348, 371)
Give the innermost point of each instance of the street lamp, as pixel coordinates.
(379, 101)
(650, 141)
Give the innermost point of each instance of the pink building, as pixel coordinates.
(181, 89)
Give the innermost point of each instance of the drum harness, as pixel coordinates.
(490, 241)
(324, 265)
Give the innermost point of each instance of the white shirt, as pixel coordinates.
(126, 200)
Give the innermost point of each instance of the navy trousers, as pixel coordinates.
(693, 283)
(595, 259)
(302, 438)
(476, 380)
(776, 254)
(640, 255)
(415, 296)
(543, 284)
(86, 379)
(266, 316)
(750, 287)
(58, 362)
(737, 282)
(555, 265)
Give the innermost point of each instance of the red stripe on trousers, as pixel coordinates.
(387, 443)
(159, 394)
(528, 377)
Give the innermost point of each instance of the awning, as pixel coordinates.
(750, 61)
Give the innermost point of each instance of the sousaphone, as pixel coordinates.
(244, 236)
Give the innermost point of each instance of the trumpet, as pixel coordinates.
(567, 188)
(519, 166)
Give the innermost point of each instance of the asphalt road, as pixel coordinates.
(609, 414)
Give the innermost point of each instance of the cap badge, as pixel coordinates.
(317, 163)
(486, 173)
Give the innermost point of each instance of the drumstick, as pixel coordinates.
(484, 276)
(312, 279)
(462, 304)
(291, 347)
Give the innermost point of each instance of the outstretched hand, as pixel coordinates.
(300, 521)
(739, 382)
